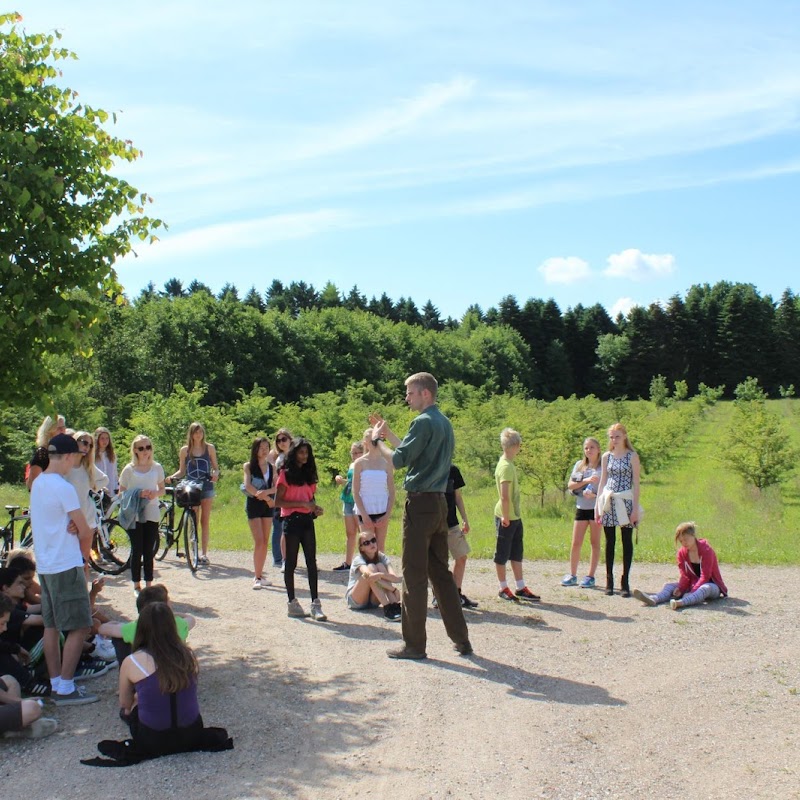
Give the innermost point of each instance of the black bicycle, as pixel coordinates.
(7, 532)
(184, 496)
(110, 553)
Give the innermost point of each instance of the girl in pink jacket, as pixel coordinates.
(700, 578)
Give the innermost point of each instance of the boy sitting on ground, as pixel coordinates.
(18, 717)
(122, 634)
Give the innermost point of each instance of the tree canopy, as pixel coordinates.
(64, 217)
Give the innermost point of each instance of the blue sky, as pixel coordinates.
(612, 152)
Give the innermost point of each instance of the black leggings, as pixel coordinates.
(299, 530)
(627, 554)
(143, 543)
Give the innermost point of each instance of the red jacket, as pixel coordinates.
(709, 569)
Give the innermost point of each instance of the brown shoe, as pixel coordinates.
(464, 648)
(404, 652)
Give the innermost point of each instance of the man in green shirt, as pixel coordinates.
(508, 520)
(427, 452)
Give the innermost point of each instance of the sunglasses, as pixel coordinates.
(365, 542)
(85, 442)
(283, 439)
(143, 448)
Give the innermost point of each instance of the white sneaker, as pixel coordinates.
(256, 584)
(283, 567)
(317, 612)
(295, 609)
(265, 581)
(104, 649)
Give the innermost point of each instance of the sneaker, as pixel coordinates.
(466, 602)
(103, 649)
(463, 648)
(587, 582)
(203, 560)
(342, 567)
(257, 584)
(80, 697)
(674, 604)
(316, 611)
(37, 690)
(90, 668)
(526, 594)
(393, 612)
(435, 602)
(569, 580)
(265, 581)
(136, 592)
(283, 567)
(405, 653)
(647, 599)
(38, 729)
(295, 609)
(507, 594)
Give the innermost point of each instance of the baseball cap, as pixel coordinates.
(62, 444)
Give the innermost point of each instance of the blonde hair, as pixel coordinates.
(618, 426)
(193, 428)
(134, 455)
(87, 462)
(585, 457)
(47, 430)
(109, 451)
(685, 527)
(423, 380)
(509, 437)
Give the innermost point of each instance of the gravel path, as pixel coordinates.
(583, 696)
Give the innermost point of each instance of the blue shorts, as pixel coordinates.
(348, 509)
(208, 490)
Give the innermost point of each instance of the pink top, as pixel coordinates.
(303, 493)
(709, 569)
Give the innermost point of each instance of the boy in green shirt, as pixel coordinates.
(508, 522)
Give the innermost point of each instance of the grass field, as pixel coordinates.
(744, 526)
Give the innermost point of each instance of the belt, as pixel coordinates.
(423, 494)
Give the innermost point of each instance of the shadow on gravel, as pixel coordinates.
(529, 686)
(732, 606)
(589, 615)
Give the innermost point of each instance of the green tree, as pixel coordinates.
(758, 446)
(65, 218)
(659, 393)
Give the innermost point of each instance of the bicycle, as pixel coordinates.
(188, 495)
(7, 532)
(110, 553)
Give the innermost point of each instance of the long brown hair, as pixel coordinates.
(87, 459)
(585, 457)
(109, 451)
(157, 634)
(618, 426)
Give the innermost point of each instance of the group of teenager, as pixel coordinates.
(280, 485)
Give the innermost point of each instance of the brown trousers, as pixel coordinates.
(425, 557)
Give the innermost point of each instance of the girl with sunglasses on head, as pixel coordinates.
(198, 462)
(86, 477)
(146, 475)
(277, 455)
(373, 489)
(372, 580)
(40, 459)
(294, 496)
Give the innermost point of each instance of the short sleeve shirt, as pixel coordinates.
(129, 630)
(506, 472)
(454, 482)
(303, 493)
(52, 501)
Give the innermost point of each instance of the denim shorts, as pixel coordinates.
(348, 509)
(208, 490)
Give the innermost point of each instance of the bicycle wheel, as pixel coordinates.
(165, 535)
(6, 546)
(111, 548)
(26, 535)
(190, 539)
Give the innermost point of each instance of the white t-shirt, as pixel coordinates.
(52, 500)
(131, 479)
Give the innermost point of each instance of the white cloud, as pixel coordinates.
(569, 269)
(622, 306)
(635, 265)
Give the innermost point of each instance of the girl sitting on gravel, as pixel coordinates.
(700, 578)
(372, 579)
